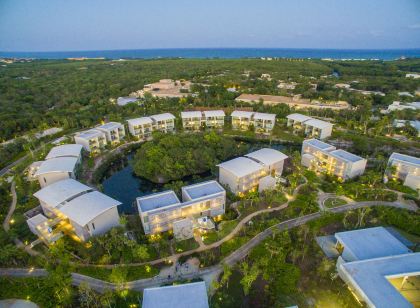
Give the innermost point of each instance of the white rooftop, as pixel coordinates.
(242, 114)
(319, 144)
(37, 220)
(59, 164)
(371, 243)
(189, 295)
(264, 116)
(122, 101)
(241, 166)
(157, 201)
(406, 158)
(140, 121)
(203, 189)
(214, 113)
(191, 114)
(61, 191)
(318, 123)
(369, 277)
(70, 150)
(91, 133)
(267, 156)
(347, 156)
(163, 117)
(86, 207)
(298, 117)
(109, 126)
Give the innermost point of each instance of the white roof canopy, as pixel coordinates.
(242, 114)
(267, 156)
(69, 150)
(214, 113)
(90, 134)
(163, 117)
(241, 166)
(140, 121)
(318, 123)
(298, 117)
(264, 116)
(86, 207)
(59, 164)
(191, 114)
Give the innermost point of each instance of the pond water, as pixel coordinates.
(124, 186)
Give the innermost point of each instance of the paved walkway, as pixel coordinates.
(6, 222)
(213, 271)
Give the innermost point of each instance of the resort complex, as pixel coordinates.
(378, 268)
(164, 211)
(405, 168)
(310, 127)
(196, 120)
(243, 174)
(323, 157)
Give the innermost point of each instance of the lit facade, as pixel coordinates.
(312, 128)
(406, 168)
(92, 140)
(114, 132)
(259, 122)
(143, 128)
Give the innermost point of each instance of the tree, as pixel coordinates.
(141, 252)
(250, 274)
(227, 272)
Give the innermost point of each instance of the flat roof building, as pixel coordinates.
(406, 168)
(189, 295)
(322, 157)
(142, 128)
(56, 169)
(113, 131)
(164, 211)
(309, 126)
(92, 140)
(86, 210)
(242, 174)
(65, 150)
(261, 122)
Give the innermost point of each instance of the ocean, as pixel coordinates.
(226, 53)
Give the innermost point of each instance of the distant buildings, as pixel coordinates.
(377, 267)
(168, 88)
(60, 163)
(407, 169)
(402, 123)
(243, 174)
(73, 208)
(195, 120)
(295, 101)
(309, 126)
(142, 128)
(259, 122)
(122, 101)
(189, 295)
(412, 75)
(323, 157)
(164, 211)
(398, 106)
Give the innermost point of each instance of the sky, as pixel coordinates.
(68, 25)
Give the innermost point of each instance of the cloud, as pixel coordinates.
(414, 26)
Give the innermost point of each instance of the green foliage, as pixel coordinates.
(173, 157)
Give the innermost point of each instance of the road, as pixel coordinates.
(6, 222)
(234, 257)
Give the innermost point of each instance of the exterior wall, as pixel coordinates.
(165, 126)
(215, 122)
(241, 123)
(403, 169)
(142, 132)
(227, 178)
(91, 145)
(80, 231)
(277, 168)
(49, 178)
(357, 168)
(192, 123)
(412, 181)
(263, 126)
(326, 132)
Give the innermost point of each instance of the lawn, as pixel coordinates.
(333, 202)
(185, 245)
(225, 228)
(130, 273)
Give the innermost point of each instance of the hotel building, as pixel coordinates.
(407, 169)
(311, 127)
(261, 122)
(92, 140)
(114, 132)
(323, 157)
(142, 128)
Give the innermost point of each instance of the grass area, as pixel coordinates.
(185, 245)
(333, 202)
(129, 273)
(225, 228)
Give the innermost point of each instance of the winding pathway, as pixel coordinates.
(234, 257)
(6, 222)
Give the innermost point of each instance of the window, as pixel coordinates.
(45, 180)
(93, 226)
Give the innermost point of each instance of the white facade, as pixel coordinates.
(214, 118)
(66, 150)
(142, 128)
(407, 169)
(397, 106)
(92, 140)
(113, 131)
(260, 122)
(163, 211)
(78, 209)
(322, 157)
(56, 169)
(164, 122)
(192, 120)
(311, 127)
(243, 174)
(195, 120)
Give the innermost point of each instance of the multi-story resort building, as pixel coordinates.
(377, 266)
(404, 167)
(260, 122)
(164, 211)
(243, 174)
(142, 128)
(323, 157)
(311, 127)
(192, 120)
(60, 163)
(188, 295)
(92, 140)
(75, 209)
(114, 132)
(195, 120)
